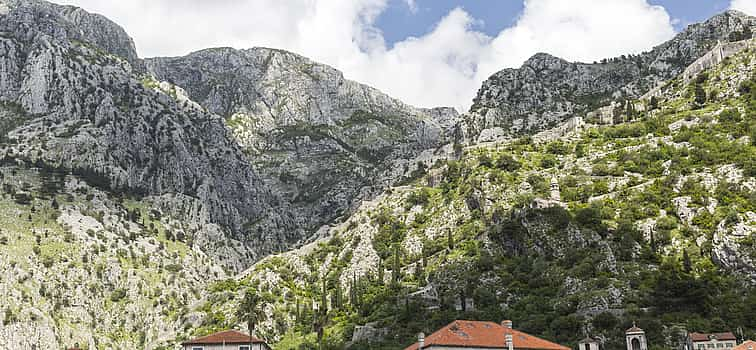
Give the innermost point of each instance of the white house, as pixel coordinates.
(226, 340)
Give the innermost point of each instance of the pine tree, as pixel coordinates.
(450, 239)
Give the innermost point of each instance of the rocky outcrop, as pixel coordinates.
(73, 102)
(547, 90)
(320, 141)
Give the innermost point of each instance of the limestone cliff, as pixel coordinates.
(547, 90)
(319, 140)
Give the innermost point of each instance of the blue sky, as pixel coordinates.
(398, 21)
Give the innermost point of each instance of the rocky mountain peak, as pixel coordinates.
(323, 142)
(521, 101)
(542, 61)
(70, 23)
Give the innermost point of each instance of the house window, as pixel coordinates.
(701, 346)
(198, 348)
(710, 346)
(244, 347)
(720, 345)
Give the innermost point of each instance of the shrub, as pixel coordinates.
(507, 163)
(47, 261)
(421, 197)
(118, 295)
(548, 162)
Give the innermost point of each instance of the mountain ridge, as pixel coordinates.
(547, 89)
(139, 187)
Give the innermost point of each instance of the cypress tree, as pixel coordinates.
(380, 271)
(396, 270)
(687, 265)
(419, 273)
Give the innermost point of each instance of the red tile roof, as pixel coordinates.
(747, 345)
(228, 337)
(696, 337)
(482, 334)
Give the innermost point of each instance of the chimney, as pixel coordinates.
(420, 340)
(506, 324)
(510, 344)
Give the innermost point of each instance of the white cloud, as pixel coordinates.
(441, 68)
(580, 30)
(412, 5)
(747, 6)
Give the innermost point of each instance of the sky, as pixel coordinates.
(425, 52)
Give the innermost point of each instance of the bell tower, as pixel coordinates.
(636, 338)
(555, 194)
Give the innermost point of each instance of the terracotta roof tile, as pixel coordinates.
(484, 335)
(696, 337)
(747, 345)
(228, 337)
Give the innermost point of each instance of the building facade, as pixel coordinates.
(711, 341)
(226, 340)
(588, 344)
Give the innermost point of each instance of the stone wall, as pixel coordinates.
(715, 56)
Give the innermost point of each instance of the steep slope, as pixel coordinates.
(650, 221)
(323, 142)
(547, 90)
(72, 103)
(82, 266)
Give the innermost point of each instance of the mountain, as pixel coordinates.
(72, 105)
(123, 198)
(590, 229)
(547, 90)
(321, 142)
(296, 145)
(133, 191)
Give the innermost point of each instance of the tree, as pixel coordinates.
(419, 273)
(687, 265)
(450, 239)
(654, 103)
(380, 271)
(396, 269)
(700, 95)
(250, 310)
(322, 317)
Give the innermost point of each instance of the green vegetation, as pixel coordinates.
(480, 238)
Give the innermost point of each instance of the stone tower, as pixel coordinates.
(636, 338)
(555, 195)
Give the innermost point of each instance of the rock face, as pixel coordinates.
(258, 146)
(321, 141)
(72, 101)
(547, 90)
